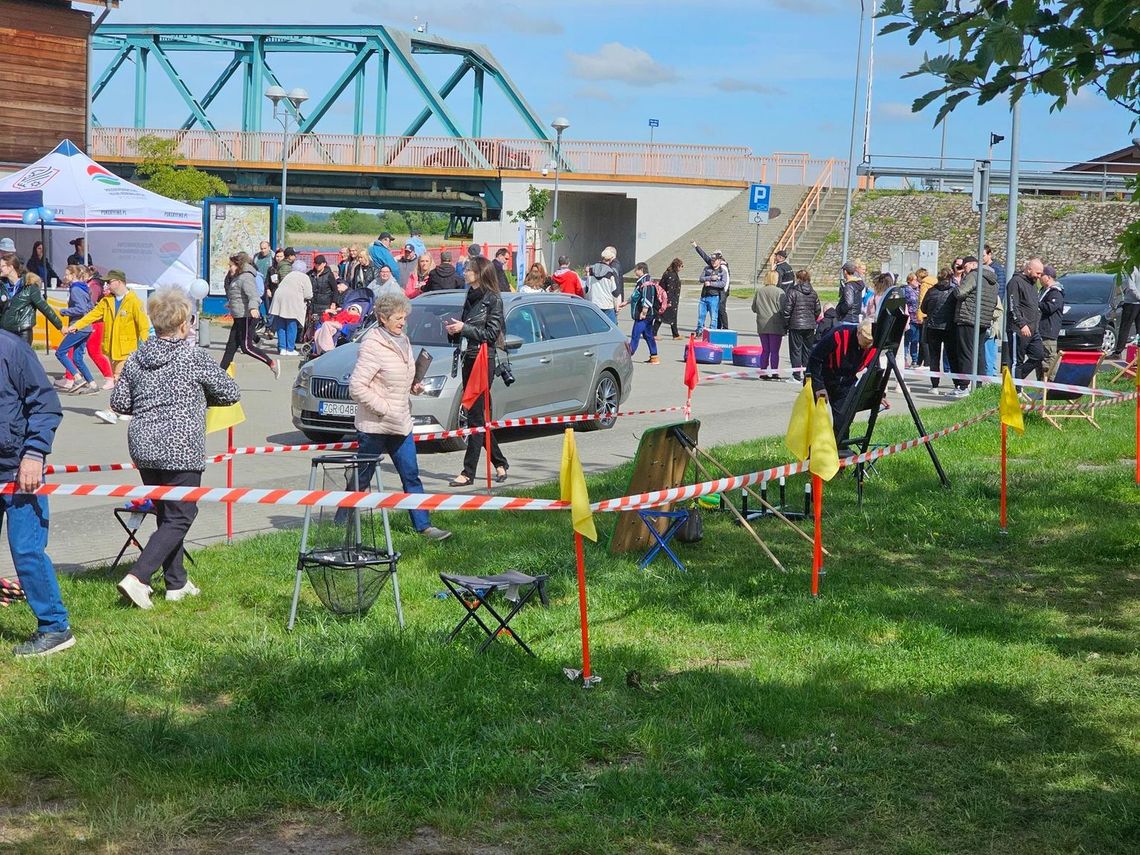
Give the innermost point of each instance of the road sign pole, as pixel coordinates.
(756, 254)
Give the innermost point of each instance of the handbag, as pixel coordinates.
(692, 530)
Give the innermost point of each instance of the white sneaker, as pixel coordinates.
(275, 365)
(187, 590)
(136, 591)
(107, 416)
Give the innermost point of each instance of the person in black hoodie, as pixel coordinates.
(938, 306)
(800, 310)
(481, 323)
(443, 277)
(850, 304)
(324, 286)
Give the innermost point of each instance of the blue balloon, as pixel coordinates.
(31, 217)
(47, 215)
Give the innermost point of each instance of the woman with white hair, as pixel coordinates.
(382, 386)
(166, 386)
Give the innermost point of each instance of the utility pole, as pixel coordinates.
(851, 147)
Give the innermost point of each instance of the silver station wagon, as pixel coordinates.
(566, 356)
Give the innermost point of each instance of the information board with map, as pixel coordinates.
(233, 225)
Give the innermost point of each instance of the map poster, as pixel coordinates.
(233, 225)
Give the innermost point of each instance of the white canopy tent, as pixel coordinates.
(154, 240)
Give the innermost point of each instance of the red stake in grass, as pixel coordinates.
(230, 484)
(582, 609)
(1004, 529)
(817, 547)
(487, 432)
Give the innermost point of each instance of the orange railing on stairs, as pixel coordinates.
(802, 218)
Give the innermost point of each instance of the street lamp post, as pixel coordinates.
(851, 171)
(297, 97)
(560, 124)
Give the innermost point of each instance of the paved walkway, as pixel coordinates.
(83, 532)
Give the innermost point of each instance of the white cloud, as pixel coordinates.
(897, 111)
(615, 61)
(735, 84)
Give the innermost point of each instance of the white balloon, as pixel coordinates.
(199, 289)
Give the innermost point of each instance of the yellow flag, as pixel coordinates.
(824, 452)
(573, 483)
(220, 418)
(1009, 407)
(798, 438)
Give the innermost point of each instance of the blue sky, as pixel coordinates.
(773, 75)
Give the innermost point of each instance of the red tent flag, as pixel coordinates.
(692, 378)
(477, 383)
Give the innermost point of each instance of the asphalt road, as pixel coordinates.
(84, 532)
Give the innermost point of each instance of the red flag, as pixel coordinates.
(477, 381)
(691, 376)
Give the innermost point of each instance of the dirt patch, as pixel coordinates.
(40, 819)
(1100, 467)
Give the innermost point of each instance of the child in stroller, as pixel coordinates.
(338, 325)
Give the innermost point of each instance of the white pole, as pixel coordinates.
(557, 175)
(851, 147)
(1011, 235)
(870, 84)
(284, 119)
(942, 155)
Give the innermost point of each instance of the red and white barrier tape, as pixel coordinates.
(454, 502)
(70, 468)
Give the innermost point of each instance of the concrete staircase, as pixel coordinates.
(729, 231)
(827, 219)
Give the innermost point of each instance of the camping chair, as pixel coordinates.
(1074, 368)
(1131, 359)
(476, 593)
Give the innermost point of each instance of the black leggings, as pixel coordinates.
(477, 418)
(799, 346)
(1129, 318)
(672, 325)
(165, 547)
(936, 340)
(241, 338)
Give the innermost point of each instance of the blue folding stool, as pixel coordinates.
(649, 517)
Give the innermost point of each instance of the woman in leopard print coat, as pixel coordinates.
(165, 387)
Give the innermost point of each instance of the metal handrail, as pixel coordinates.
(651, 160)
(808, 208)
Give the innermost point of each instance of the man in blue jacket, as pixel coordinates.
(381, 252)
(29, 415)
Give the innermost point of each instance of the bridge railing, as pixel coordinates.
(626, 159)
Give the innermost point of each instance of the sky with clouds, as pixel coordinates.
(772, 75)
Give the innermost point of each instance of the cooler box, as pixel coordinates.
(706, 354)
(723, 337)
(747, 355)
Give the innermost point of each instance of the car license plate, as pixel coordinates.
(336, 408)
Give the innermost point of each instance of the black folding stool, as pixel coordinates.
(475, 592)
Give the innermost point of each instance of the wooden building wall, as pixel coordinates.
(43, 77)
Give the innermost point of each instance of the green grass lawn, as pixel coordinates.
(954, 690)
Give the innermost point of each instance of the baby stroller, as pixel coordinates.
(332, 332)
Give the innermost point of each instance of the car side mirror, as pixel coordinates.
(513, 342)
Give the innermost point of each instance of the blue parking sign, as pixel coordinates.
(759, 197)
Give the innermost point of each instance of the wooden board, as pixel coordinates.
(43, 85)
(660, 464)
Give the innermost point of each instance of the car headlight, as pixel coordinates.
(433, 385)
(1088, 323)
(303, 377)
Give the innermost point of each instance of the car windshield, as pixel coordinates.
(425, 323)
(1088, 290)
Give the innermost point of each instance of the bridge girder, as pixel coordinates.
(362, 46)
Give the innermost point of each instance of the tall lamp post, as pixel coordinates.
(560, 124)
(297, 97)
(851, 171)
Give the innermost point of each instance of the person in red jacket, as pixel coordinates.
(567, 280)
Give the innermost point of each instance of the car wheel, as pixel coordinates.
(323, 436)
(604, 401)
(1108, 345)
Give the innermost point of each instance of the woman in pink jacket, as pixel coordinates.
(382, 385)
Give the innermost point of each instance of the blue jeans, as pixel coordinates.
(286, 334)
(913, 335)
(611, 314)
(707, 306)
(402, 450)
(76, 341)
(643, 330)
(993, 364)
(27, 518)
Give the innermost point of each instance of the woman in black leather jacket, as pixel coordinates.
(481, 322)
(20, 298)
